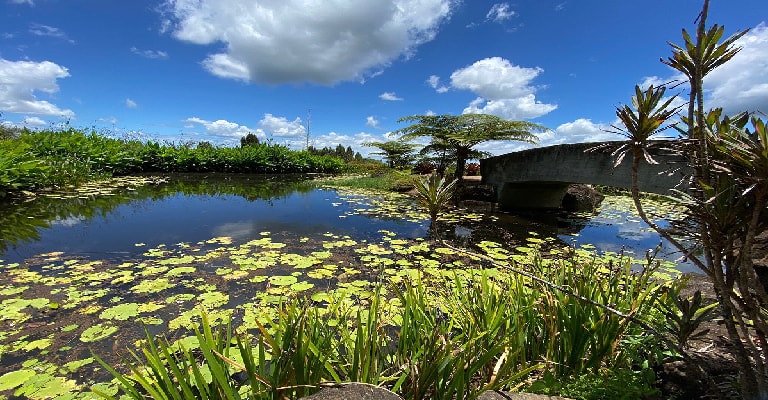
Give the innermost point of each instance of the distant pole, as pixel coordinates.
(309, 123)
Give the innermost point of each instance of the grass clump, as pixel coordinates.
(388, 180)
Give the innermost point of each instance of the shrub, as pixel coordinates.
(472, 169)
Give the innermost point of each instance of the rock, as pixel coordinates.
(581, 198)
(353, 391)
(478, 192)
(497, 395)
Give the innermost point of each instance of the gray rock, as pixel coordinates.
(581, 198)
(353, 391)
(516, 396)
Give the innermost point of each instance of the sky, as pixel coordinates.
(215, 70)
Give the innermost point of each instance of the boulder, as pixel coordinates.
(498, 395)
(582, 198)
(353, 391)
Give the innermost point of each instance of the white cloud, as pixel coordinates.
(33, 121)
(500, 12)
(19, 80)
(30, 2)
(281, 127)
(742, 83)
(130, 103)
(390, 96)
(278, 127)
(302, 40)
(579, 131)
(50, 31)
(151, 54)
(108, 120)
(224, 129)
(372, 122)
(434, 82)
(504, 89)
(561, 6)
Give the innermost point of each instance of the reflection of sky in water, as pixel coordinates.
(69, 221)
(190, 218)
(616, 228)
(193, 218)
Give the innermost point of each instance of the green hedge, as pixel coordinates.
(35, 160)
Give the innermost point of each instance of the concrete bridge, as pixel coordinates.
(539, 177)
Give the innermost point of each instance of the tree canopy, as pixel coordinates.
(398, 153)
(463, 132)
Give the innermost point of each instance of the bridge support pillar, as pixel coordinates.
(532, 195)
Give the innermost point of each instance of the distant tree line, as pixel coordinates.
(346, 154)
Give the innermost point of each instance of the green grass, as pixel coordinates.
(390, 180)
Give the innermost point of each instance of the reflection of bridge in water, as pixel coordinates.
(539, 177)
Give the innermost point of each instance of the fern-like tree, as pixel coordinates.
(398, 153)
(463, 132)
(443, 154)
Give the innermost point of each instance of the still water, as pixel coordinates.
(109, 224)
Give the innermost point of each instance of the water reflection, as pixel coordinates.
(195, 207)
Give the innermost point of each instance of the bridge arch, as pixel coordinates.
(539, 177)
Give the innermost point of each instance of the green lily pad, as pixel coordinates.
(121, 312)
(282, 280)
(14, 379)
(97, 332)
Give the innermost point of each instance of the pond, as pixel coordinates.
(81, 271)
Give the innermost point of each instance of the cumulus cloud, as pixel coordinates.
(19, 80)
(151, 54)
(33, 122)
(270, 125)
(500, 12)
(223, 129)
(50, 31)
(579, 131)
(281, 127)
(305, 41)
(372, 122)
(504, 89)
(130, 103)
(434, 82)
(390, 96)
(738, 85)
(742, 83)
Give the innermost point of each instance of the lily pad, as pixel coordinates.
(97, 332)
(14, 379)
(121, 312)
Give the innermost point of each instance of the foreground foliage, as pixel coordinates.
(43, 159)
(471, 331)
(725, 203)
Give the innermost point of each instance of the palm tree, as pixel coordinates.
(463, 132)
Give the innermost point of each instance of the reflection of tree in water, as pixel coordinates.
(22, 220)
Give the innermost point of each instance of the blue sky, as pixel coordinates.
(215, 70)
